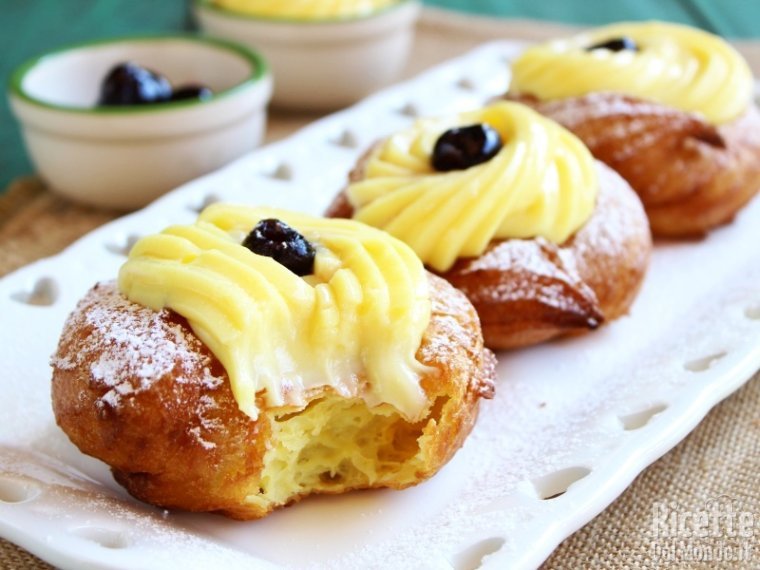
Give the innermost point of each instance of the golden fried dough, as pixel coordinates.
(691, 176)
(138, 390)
(528, 291)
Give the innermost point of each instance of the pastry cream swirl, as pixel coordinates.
(542, 182)
(306, 9)
(355, 324)
(675, 65)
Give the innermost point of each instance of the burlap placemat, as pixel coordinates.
(35, 223)
(713, 476)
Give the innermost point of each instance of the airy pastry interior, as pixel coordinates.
(336, 444)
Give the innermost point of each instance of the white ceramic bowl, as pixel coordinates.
(124, 157)
(322, 64)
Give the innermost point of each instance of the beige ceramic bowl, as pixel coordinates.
(322, 64)
(124, 157)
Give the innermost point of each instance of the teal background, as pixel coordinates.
(31, 27)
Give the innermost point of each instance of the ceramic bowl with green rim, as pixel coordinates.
(123, 157)
(324, 55)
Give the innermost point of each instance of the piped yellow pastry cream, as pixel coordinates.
(678, 66)
(542, 182)
(353, 324)
(306, 9)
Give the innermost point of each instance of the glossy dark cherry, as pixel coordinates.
(188, 92)
(130, 84)
(286, 246)
(462, 147)
(616, 44)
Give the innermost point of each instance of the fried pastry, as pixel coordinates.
(317, 357)
(512, 209)
(668, 107)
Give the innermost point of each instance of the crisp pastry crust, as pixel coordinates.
(529, 291)
(138, 390)
(691, 175)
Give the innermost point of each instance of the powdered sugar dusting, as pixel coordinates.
(616, 241)
(452, 337)
(206, 404)
(541, 269)
(129, 347)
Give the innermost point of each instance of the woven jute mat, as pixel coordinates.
(697, 507)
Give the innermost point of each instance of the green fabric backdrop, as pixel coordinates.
(30, 27)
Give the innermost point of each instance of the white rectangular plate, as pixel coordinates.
(583, 415)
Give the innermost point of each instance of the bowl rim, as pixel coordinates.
(210, 6)
(259, 71)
